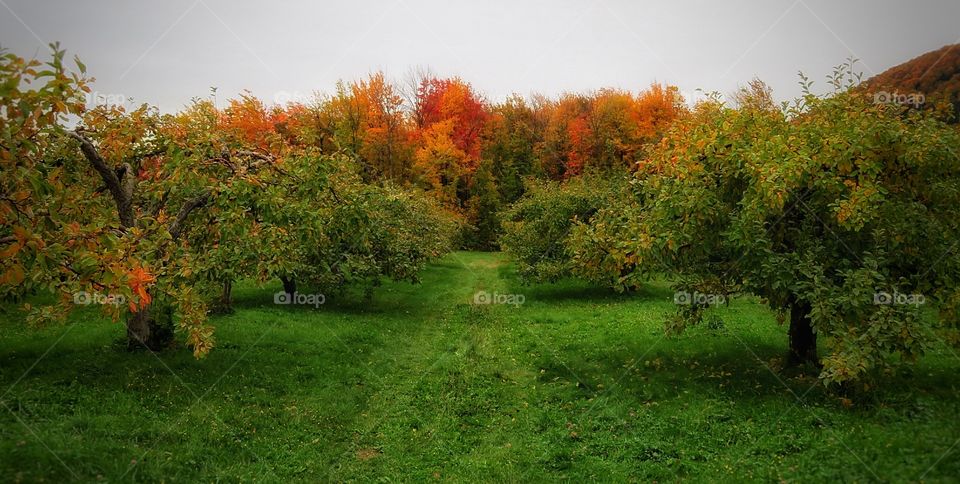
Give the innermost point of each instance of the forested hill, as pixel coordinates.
(935, 74)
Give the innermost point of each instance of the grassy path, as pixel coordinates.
(421, 384)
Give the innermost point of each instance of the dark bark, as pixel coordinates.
(226, 297)
(224, 303)
(803, 340)
(150, 328)
(121, 181)
(289, 284)
(176, 226)
(138, 329)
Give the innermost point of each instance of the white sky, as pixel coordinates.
(167, 52)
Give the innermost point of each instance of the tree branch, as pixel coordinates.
(93, 156)
(120, 183)
(176, 227)
(160, 204)
(255, 154)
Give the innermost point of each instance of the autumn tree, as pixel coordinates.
(233, 240)
(451, 118)
(839, 212)
(655, 110)
(89, 212)
(509, 143)
(248, 121)
(561, 152)
(387, 138)
(606, 129)
(348, 232)
(440, 163)
(537, 229)
(309, 124)
(309, 219)
(369, 121)
(440, 100)
(483, 208)
(151, 210)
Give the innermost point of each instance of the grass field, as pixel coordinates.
(420, 384)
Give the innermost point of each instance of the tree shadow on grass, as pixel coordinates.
(726, 371)
(246, 361)
(163, 397)
(573, 290)
(634, 368)
(396, 298)
(401, 298)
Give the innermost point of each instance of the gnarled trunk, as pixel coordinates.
(803, 340)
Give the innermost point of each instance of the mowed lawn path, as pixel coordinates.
(418, 383)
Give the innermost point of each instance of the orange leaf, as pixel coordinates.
(11, 250)
(13, 275)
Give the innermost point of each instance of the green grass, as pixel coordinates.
(419, 384)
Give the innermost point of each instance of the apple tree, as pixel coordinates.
(840, 212)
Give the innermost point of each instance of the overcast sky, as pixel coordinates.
(167, 52)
